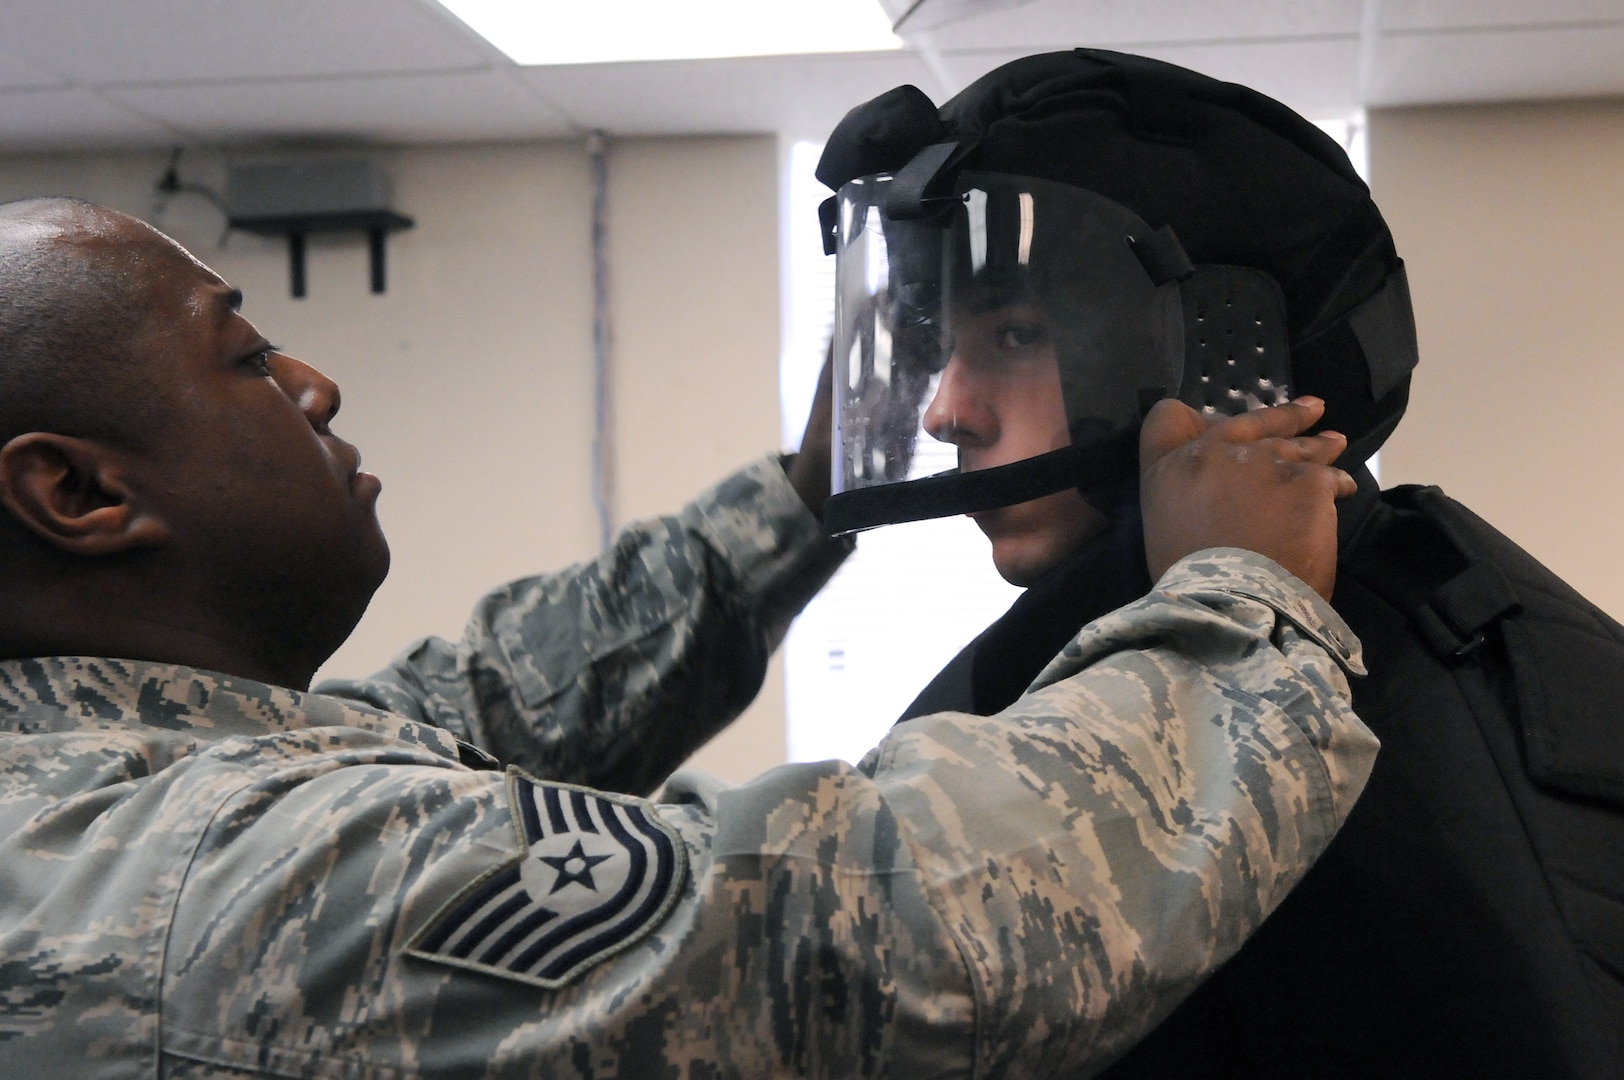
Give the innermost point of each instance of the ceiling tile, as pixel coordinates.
(121, 41)
(406, 71)
(800, 96)
(73, 119)
(408, 108)
(1499, 66)
(18, 74)
(1403, 15)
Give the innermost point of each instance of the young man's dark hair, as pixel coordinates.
(1078, 234)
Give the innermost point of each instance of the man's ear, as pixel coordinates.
(75, 495)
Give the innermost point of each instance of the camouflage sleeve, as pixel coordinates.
(582, 675)
(1132, 824)
(1088, 855)
(1017, 895)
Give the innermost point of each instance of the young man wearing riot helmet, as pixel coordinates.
(1022, 273)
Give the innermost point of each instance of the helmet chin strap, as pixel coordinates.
(1096, 466)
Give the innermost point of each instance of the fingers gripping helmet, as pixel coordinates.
(1144, 230)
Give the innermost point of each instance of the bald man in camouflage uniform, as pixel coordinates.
(207, 871)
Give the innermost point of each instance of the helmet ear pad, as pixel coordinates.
(1230, 324)
(1236, 351)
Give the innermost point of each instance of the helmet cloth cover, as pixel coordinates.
(1182, 236)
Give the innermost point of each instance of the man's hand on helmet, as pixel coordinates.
(1251, 481)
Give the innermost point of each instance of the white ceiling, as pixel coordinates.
(121, 73)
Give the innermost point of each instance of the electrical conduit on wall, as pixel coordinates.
(603, 443)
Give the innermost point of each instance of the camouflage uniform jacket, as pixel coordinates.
(202, 876)
(582, 676)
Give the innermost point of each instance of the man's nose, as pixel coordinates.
(958, 414)
(316, 395)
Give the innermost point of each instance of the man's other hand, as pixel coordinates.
(810, 471)
(1251, 481)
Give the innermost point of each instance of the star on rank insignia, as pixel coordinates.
(599, 871)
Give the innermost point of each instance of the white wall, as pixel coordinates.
(696, 309)
(1509, 219)
(468, 385)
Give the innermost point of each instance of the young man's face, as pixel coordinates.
(999, 402)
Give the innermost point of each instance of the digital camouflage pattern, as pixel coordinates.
(203, 876)
(563, 673)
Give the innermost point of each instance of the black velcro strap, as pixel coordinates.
(915, 182)
(475, 758)
(1162, 256)
(1456, 615)
(1385, 328)
(829, 221)
(946, 494)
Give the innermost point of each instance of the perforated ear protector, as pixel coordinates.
(1236, 351)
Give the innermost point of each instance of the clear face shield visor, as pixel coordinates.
(1003, 347)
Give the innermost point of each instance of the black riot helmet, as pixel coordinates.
(1154, 233)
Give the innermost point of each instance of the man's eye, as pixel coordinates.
(261, 361)
(1018, 335)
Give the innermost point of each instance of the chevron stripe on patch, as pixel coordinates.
(600, 871)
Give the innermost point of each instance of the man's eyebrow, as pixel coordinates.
(231, 300)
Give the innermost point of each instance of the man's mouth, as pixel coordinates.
(366, 485)
(363, 484)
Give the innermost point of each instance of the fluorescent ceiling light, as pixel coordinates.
(607, 31)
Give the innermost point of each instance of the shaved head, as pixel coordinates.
(78, 297)
(170, 486)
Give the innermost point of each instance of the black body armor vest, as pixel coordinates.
(1468, 920)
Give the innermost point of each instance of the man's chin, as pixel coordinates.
(1030, 539)
(376, 557)
(1017, 562)
(369, 570)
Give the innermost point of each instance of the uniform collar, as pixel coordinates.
(78, 693)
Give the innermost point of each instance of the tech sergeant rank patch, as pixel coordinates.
(601, 871)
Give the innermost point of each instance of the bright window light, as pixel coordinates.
(913, 595)
(610, 31)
